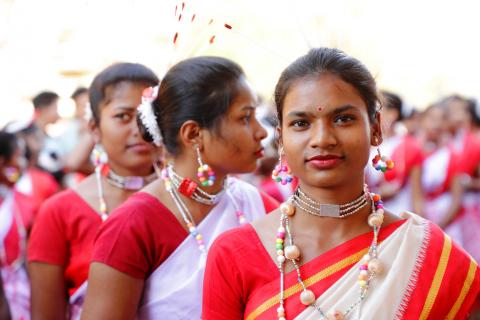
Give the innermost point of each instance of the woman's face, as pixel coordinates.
(326, 133)
(11, 170)
(434, 123)
(236, 145)
(128, 153)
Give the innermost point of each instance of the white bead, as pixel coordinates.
(307, 297)
(380, 211)
(280, 309)
(292, 252)
(375, 220)
(364, 273)
(281, 259)
(336, 315)
(367, 257)
(375, 265)
(279, 252)
(281, 229)
(282, 318)
(287, 208)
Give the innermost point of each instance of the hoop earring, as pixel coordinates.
(204, 173)
(381, 163)
(282, 173)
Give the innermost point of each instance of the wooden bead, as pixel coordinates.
(375, 220)
(375, 265)
(287, 209)
(292, 252)
(307, 297)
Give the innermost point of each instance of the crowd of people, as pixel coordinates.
(180, 197)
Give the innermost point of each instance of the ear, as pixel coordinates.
(278, 137)
(191, 134)
(95, 131)
(376, 137)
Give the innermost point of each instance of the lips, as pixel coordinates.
(259, 153)
(141, 147)
(324, 162)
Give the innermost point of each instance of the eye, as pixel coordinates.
(299, 123)
(124, 116)
(344, 118)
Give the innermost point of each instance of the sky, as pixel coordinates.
(422, 50)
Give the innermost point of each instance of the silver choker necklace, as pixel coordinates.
(190, 189)
(131, 182)
(301, 200)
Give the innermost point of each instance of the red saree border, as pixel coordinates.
(336, 262)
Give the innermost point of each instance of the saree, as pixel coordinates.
(16, 284)
(426, 277)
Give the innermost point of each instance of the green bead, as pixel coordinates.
(279, 246)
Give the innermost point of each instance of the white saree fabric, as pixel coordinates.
(403, 253)
(174, 290)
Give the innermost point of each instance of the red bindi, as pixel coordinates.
(319, 108)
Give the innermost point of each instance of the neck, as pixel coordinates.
(336, 195)
(126, 172)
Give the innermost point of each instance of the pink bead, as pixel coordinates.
(363, 267)
(201, 242)
(281, 235)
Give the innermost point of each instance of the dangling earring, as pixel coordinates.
(204, 173)
(381, 163)
(100, 161)
(282, 173)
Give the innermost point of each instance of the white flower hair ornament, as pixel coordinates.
(147, 116)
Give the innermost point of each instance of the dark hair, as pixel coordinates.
(329, 60)
(112, 75)
(199, 89)
(474, 110)
(78, 91)
(44, 99)
(8, 145)
(393, 101)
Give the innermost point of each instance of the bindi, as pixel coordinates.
(319, 108)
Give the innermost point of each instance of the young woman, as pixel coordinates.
(16, 215)
(400, 187)
(332, 251)
(61, 242)
(149, 258)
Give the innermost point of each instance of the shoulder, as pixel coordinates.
(64, 201)
(234, 240)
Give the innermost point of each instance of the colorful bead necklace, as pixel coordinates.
(370, 265)
(185, 213)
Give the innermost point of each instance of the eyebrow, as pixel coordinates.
(126, 108)
(307, 114)
(249, 108)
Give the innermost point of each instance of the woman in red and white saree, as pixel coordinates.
(332, 251)
(16, 214)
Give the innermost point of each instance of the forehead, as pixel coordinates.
(327, 90)
(245, 96)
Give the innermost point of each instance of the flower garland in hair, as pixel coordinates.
(147, 116)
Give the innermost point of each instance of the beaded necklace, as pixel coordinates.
(185, 213)
(190, 189)
(370, 265)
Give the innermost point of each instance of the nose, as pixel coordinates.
(322, 136)
(260, 132)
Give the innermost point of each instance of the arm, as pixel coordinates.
(456, 190)
(48, 291)
(417, 191)
(111, 294)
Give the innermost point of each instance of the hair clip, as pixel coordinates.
(147, 116)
